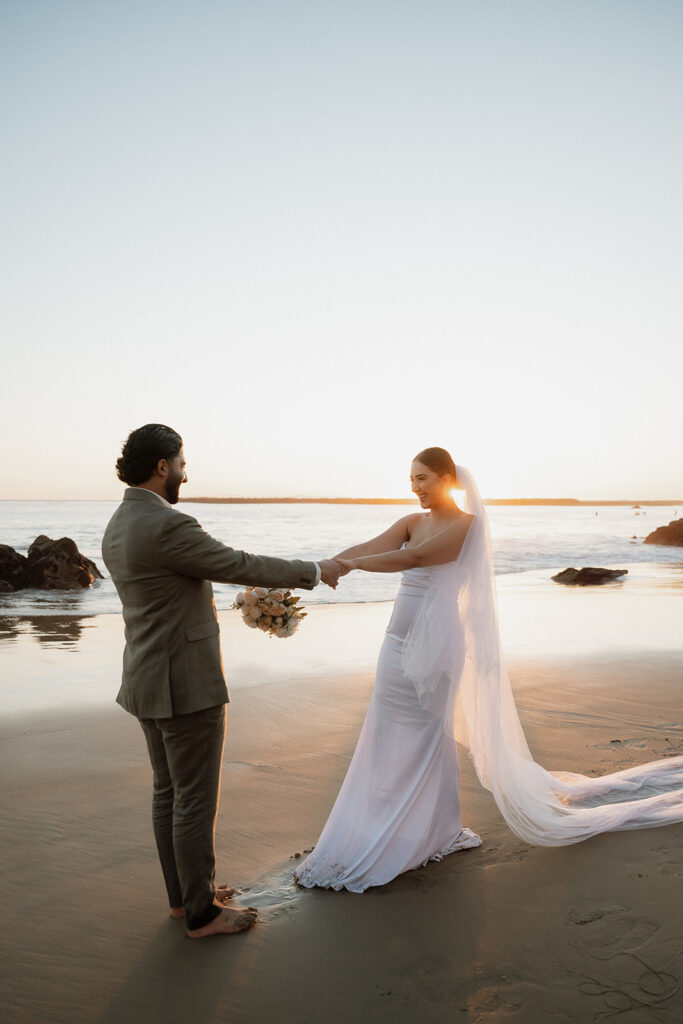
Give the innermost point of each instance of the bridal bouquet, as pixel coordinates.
(274, 612)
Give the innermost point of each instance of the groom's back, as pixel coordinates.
(171, 663)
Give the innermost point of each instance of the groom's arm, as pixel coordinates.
(186, 548)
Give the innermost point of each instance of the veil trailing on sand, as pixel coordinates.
(475, 699)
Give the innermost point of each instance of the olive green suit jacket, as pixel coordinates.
(161, 561)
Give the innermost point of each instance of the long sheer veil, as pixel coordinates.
(475, 699)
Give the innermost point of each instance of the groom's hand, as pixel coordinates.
(330, 571)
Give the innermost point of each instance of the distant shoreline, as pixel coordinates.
(568, 502)
(559, 502)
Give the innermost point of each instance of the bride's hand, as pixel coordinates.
(347, 564)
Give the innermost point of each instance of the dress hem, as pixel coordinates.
(465, 840)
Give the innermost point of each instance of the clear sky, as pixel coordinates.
(315, 237)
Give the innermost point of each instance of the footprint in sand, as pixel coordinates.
(610, 930)
(667, 860)
(501, 854)
(590, 915)
(639, 743)
(624, 970)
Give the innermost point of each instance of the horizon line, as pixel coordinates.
(412, 501)
(567, 502)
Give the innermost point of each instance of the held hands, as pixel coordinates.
(347, 564)
(331, 569)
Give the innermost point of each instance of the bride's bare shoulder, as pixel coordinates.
(464, 522)
(415, 522)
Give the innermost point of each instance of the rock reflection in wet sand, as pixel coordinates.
(50, 630)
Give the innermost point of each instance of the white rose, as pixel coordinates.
(250, 597)
(261, 592)
(240, 599)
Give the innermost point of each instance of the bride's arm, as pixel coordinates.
(444, 547)
(391, 539)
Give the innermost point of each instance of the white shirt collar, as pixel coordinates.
(159, 496)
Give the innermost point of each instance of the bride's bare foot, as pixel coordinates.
(229, 921)
(223, 894)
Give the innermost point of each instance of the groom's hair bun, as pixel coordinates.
(142, 450)
(438, 460)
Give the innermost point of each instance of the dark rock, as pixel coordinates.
(671, 534)
(13, 568)
(588, 576)
(59, 565)
(50, 565)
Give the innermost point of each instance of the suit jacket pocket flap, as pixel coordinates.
(202, 631)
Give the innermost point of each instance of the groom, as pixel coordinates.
(161, 561)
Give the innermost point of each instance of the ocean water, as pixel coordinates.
(524, 537)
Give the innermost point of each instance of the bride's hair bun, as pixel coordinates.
(438, 460)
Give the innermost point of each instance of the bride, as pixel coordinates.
(441, 679)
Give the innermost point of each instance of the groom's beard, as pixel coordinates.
(172, 488)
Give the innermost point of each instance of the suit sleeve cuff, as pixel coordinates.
(318, 574)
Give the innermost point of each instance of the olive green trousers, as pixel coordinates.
(186, 753)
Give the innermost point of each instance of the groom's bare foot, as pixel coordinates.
(229, 922)
(223, 894)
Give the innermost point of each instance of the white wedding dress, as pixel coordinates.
(441, 677)
(399, 805)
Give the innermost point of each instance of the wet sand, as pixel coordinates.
(506, 932)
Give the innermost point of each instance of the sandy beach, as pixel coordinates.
(506, 932)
